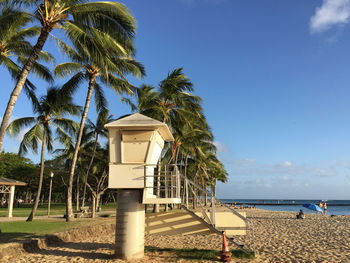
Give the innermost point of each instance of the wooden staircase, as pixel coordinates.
(171, 187)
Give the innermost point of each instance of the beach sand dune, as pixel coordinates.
(275, 237)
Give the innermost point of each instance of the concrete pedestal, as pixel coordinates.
(130, 225)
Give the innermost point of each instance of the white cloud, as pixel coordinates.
(286, 171)
(331, 13)
(321, 172)
(287, 164)
(221, 148)
(243, 162)
(286, 179)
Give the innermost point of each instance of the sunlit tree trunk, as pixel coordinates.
(69, 205)
(77, 195)
(42, 164)
(93, 208)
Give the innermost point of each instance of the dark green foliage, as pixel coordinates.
(16, 167)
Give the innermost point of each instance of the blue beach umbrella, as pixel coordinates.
(313, 207)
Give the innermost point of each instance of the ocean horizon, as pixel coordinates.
(335, 207)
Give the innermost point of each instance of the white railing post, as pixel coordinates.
(166, 181)
(178, 185)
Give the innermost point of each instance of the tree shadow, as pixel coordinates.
(82, 245)
(191, 254)
(81, 254)
(86, 250)
(14, 237)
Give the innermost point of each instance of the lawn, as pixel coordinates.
(56, 209)
(19, 230)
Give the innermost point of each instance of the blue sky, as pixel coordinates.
(274, 77)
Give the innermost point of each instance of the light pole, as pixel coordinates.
(48, 209)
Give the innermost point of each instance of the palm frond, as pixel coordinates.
(100, 100)
(16, 126)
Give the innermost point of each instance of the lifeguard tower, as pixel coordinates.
(135, 146)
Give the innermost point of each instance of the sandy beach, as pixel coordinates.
(275, 237)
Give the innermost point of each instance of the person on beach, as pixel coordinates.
(324, 208)
(301, 215)
(320, 205)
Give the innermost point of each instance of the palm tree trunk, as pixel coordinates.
(21, 80)
(93, 209)
(205, 194)
(177, 155)
(35, 207)
(186, 160)
(77, 195)
(69, 206)
(89, 167)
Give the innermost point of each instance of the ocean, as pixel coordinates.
(335, 207)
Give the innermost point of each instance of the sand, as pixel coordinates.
(275, 237)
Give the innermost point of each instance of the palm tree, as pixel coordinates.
(93, 66)
(48, 110)
(113, 20)
(99, 130)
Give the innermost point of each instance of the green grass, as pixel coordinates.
(19, 230)
(55, 209)
(200, 254)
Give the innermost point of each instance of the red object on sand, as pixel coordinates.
(225, 253)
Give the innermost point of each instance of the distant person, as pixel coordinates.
(301, 215)
(325, 208)
(321, 206)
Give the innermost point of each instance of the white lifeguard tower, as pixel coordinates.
(135, 146)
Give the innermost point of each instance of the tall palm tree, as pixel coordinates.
(112, 19)
(95, 66)
(49, 110)
(99, 130)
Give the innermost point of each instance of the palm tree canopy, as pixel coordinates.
(14, 44)
(49, 110)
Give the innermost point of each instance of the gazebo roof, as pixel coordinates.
(7, 181)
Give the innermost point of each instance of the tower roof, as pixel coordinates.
(138, 121)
